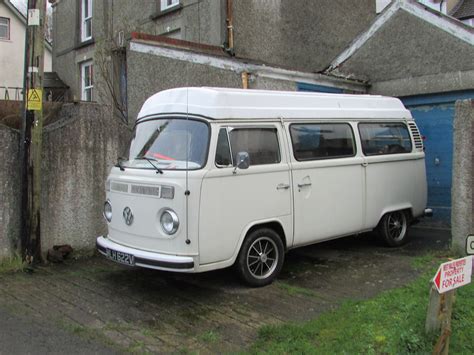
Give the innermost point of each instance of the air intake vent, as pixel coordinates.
(416, 135)
(146, 190)
(116, 186)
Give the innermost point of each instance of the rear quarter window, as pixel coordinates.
(384, 138)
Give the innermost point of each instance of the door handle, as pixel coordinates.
(283, 187)
(304, 184)
(364, 164)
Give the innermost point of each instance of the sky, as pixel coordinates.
(22, 5)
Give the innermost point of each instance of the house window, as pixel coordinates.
(4, 28)
(87, 80)
(86, 20)
(168, 4)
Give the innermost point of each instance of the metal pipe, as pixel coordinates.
(245, 80)
(230, 29)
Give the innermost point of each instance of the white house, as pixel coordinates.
(12, 51)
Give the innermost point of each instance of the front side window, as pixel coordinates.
(312, 141)
(86, 20)
(167, 4)
(384, 138)
(260, 143)
(4, 28)
(87, 80)
(170, 144)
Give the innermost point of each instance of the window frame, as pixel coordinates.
(229, 128)
(8, 28)
(84, 18)
(401, 123)
(84, 88)
(354, 142)
(230, 149)
(165, 6)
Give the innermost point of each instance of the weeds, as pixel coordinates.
(11, 264)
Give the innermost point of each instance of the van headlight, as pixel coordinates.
(169, 221)
(108, 211)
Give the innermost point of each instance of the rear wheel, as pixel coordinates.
(261, 257)
(393, 228)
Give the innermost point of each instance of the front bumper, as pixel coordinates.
(148, 259)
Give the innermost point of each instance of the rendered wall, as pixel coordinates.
(148, 74)
(79, 151)
(9, 190)
(304, 35)
(462, 219)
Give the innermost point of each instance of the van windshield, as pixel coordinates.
(169, 143)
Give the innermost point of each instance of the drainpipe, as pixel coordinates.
(229, 47)
(245, 80)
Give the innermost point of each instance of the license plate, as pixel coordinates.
(122, 258)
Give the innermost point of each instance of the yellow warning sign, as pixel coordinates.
(35, 99)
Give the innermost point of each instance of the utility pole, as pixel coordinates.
(32, 133)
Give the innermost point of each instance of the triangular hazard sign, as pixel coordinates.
(34, 96)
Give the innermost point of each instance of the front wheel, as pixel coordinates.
(261, 257)
(393, 228)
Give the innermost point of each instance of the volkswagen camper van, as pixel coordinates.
(220, 177)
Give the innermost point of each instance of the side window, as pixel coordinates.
(223, 157)
(313, 141)
(384, 138)
(260, 143)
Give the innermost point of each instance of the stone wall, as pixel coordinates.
(9, 190)
(462, 220)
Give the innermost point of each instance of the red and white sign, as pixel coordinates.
(453, 274)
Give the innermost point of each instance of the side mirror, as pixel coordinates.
(243, 160)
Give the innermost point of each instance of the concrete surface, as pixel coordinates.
(79, 150)
(303, 35)
(427, 84)
(395, 52)
(97, 304)
(462, 220)
(24, 335)
(9, 190)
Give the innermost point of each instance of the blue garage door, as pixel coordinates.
(434, 115)
(318, 88)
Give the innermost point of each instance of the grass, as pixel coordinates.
(209, 337)
(11, 264)
(391, 323)
(296, 290)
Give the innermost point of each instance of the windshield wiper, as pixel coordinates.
(119, 163)
(158, 170)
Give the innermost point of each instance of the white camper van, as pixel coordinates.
(220, 177)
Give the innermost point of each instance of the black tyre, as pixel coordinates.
(393, 228)
(261, 257)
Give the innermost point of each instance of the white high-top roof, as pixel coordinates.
(220, 103)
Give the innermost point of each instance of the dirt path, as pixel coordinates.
(95, 306)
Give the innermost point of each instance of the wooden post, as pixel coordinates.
(438, 318)
(31, 246)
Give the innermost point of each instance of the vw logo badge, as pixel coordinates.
(128, 216)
